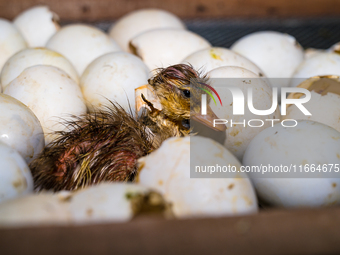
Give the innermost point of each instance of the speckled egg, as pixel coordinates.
(137, 22)
(240, 135)
(20, 128)
(15, 176)
(291, 147)
(81, 44)
(113, 76)
(197, 197)
(215, 57)
(165, 47)
(51, 94)
(32, 57)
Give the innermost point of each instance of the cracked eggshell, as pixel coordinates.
(51, 94)
(164, 47)
(322, 63)
(36, 210)
(277, 54)
(324, 104)
(37, 25)
(113, 76)
(32, 57)
(11, 41)
(20, 128)
(215, 57)
(196, 197)
(137, 22)
(238, 136)
(307, 143)
(81, 44)
(15, 176)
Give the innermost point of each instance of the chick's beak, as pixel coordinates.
(208, 120)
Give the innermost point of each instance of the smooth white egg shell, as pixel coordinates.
(308, 143)
(196, 197)
(311, 52)
(165, 47)
(277, 54)
(20, 128)
(37, 25)
(11, 41)
(81, 44)
(137, 22)
(215, 57)
(113, 76)
(323, 63)
(15, 176)
(32, 57)
(238, 136)
(51, 94)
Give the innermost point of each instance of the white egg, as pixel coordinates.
(32, 57)
(113, 76)
(277, 54)
(240, 135)
(167, 170)
(215, 57)
(323, 63)
(311, 52)
(164, 47)
(81, 44)
(37, 25)
(20, 128)
(51, 94)
(324, 104)
(335, 48)
(15, 176)
(307, 143)
(102, 203)
(11, 41)
(36, 210)
(137, 22)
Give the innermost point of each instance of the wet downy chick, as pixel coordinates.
(106, 144)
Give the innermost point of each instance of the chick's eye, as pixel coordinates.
(186, 93)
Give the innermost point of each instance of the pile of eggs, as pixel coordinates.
(51, 73)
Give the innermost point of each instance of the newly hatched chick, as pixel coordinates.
(105, 145)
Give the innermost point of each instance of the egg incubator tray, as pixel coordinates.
(319, 33)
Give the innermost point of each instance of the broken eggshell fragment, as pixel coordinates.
(196, 197)
(15, 176)
(324, 104)
(164, 47)
(37, 25)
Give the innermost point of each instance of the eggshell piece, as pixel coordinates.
(323, 63)
(11, 41)
(81, 44)
(137, 22)
(307, 143)
(37, 25)
(165, 47)
(20, 128)
(215, 57)
(32, 57)
(240, 135)
(15, 177)
(113, 76)
(277, 54)
(51, 94)
(196, 197)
